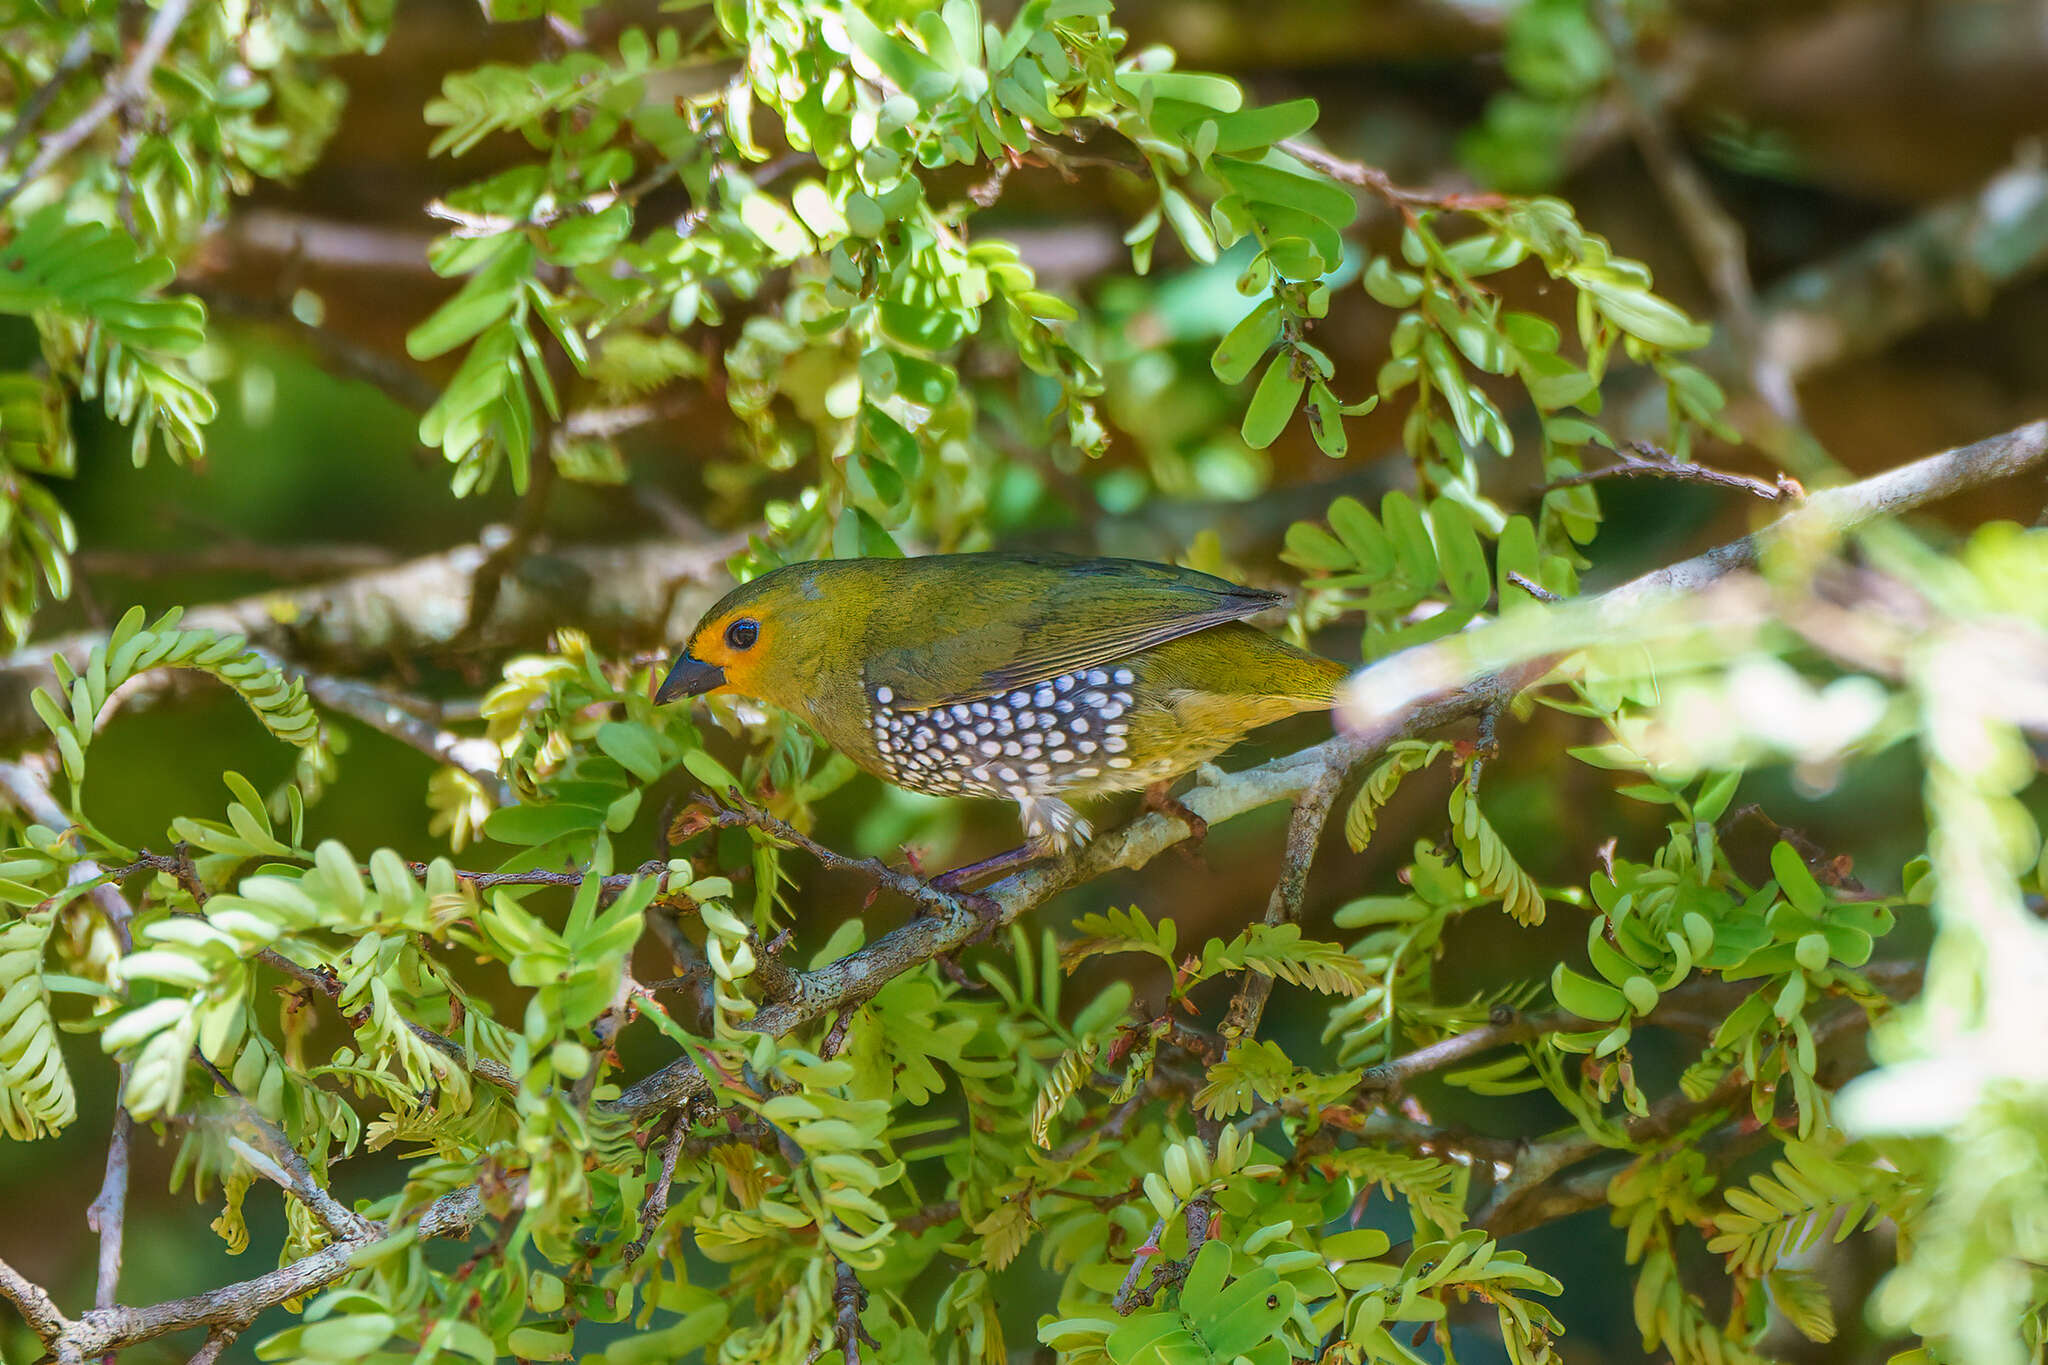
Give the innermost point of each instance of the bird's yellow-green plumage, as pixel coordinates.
(1034, 678)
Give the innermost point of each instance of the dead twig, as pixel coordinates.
(1304, 835)
(655, 1206)
(1641, 460)
(1380, 183)
(283, 1166)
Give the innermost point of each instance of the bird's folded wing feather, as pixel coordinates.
(1040, 620)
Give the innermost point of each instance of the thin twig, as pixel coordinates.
(1641, 460)
(1304, 835)
(1122, 1300)
(218, 1339)
(399, 717)
(1535, 590)
(327, 983)
(743, 815)
(656, 1204)
(285, 1166)
(107, 1215)
(128, 86)
(1380, 183)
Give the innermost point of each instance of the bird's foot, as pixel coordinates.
(1159, 798)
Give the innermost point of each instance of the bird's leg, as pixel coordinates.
(961, 877)
(985, 908)
(1158, 798)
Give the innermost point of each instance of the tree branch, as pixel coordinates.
(1375, 702)
(106, 1330)
(1640, 460)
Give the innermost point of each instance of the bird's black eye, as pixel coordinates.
(742, 633)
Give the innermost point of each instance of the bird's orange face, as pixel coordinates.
(725, 655)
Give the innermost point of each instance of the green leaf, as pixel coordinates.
(1189, 225)
(1190, 87)
(1252, 129)
(1642, 314)
(633, 747)
(1280, 179)
(1795, 880)
(1246, 342)
(1585, 997)
(1273, 402)
(526, 826)
(1460, 554)
(1390, 285)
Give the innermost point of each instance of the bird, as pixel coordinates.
(1041, 679)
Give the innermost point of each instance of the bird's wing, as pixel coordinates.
(1018, 620)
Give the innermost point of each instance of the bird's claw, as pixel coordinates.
(988, 916)
(1157, 798)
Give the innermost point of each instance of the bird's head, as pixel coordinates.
(767, 638)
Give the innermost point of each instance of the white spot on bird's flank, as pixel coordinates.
(1094, 698)
(986, 727)
(950, 740)
(1038, 769)
(1045, 696)
(960, 711)
(1116, 729)
(1063, 755)
(1119, 763)
(1112, 711)
(1086, 746)
(979, 708)
(1096, 677)
(1020, 699)
(1013, 748)
(884, 695)
(1087, 772)
(1056, 737)
(1125, 677)
(1027, 720)
(1079, 725)
(991, 748)
(1065, 708)
(1007, 774)
(1114, 744)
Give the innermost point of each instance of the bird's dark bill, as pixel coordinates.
(689, 677)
